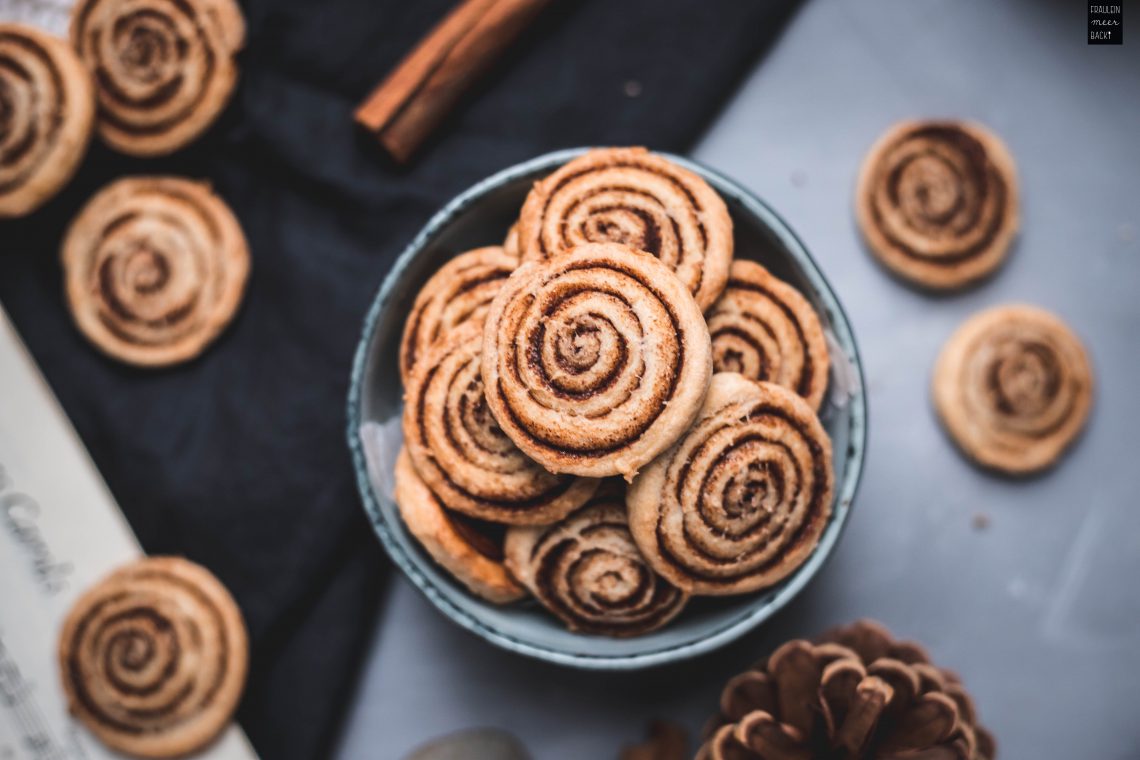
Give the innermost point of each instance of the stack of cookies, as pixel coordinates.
(608, 412)
(155, 267)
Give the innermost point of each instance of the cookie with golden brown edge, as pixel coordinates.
(635, 198)
(47, 111)
(164, 71)
(511, 242)
(741, 500)
(937, 202)
(596, 360)
(461, 452)
(1013, 387)
(470, 550)
(461, 290)
(154, 269)
(154, 658)
(587, 570)
(764, 329)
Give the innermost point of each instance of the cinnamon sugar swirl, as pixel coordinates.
(47, 109)
(764, 329)
(636, 198)
(937, 202)
(461, 290)
(587, 571)
(461, 452)
(742, 499)
(596, 360)
(163, 69)
(1014, 387)
(154, 658)
(155, 268)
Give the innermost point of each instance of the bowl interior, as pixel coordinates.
(480, 217)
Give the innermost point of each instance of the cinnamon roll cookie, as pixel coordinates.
(461, 452)
(155, 268)
(470, 550)
(587, 571)
(462, 289)
(764, 329)
(937, 202)
(1013, 387)
(47, 109)
(153, 658)
(636, 198)
(595, 361)
(163, 69)
(742, 499)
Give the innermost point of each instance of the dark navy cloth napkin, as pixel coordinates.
(238, 459)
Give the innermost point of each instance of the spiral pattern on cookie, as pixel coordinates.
(163, 69)
(461, 452)
(155, 268)
(741, 501)
(461, 290)
(47, 110)
(1014, 387)
(937, 202)
(636, 198)
(595, 361)
(153, 658)
(587, 571)
(764, 329)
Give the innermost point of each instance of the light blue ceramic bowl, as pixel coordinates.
(480, 217)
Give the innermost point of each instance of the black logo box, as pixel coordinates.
(1106, 22)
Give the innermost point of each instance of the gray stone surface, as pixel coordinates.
(1039, 612)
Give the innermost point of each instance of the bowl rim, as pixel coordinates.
(786, 591)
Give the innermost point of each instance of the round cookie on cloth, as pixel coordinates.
(163, 70)
(154, 657)
(155, 268)
(596, 360)
(740, 502)
(636, 198)
(461, 290)
(1013, 386)
(468, 551)
(587, 571)
(47, 111)
(461, 452)
(764, 329)
(937, 202)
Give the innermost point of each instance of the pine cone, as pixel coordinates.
(856, 693)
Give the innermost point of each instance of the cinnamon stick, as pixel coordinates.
(407, 106)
